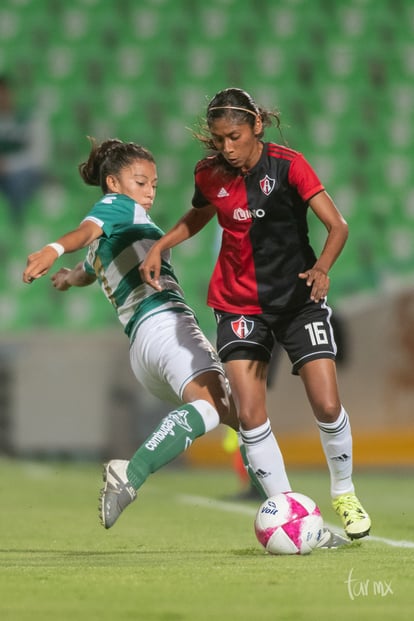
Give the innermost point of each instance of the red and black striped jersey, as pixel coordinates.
(265, 242)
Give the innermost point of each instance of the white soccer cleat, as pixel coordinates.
(117, 494)
(330, 540)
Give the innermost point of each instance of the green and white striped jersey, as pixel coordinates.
(128, 234)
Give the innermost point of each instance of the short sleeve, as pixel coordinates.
(199, 200)
(304, 178)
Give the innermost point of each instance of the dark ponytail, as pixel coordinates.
(109, 158)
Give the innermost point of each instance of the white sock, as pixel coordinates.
(208, 413)
(253, 478)
(264, 456)
(336, 441)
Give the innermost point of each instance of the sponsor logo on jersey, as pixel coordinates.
(267, 184)
(241, 214)
(242, 327)
(222, 193)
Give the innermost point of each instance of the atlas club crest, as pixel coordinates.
(242, 327)
(267, 184)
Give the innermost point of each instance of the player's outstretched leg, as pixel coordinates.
(175, 433)
(117, 494)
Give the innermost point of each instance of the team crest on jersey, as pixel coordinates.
(267, 184)
(242, 327)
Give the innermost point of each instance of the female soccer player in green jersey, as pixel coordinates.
(169, 354)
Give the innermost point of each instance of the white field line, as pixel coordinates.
(234, 507)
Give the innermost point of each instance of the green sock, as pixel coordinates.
(174, 434)
(250, 471)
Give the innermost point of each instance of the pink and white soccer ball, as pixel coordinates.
(289, 523)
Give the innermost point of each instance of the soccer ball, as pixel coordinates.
(289, 523)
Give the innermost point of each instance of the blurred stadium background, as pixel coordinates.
(341, 73)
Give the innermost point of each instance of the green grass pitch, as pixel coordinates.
(182, 552)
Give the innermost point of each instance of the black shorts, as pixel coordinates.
(305, 334)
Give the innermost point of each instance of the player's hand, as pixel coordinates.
(318, 280)
(39, 263)
(60, 279)
(150, 269)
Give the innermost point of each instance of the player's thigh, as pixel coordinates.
(143, 356)
(170, 351)
(248, 386)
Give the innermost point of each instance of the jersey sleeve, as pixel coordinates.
(304, 178)
(112, 210)
(199, 200)
(201, 179)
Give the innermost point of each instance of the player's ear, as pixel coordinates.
(112, 183)
(258, 125)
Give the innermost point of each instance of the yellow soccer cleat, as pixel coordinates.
(355, 519)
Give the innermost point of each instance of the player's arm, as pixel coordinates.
(317, 277)
(190, 224)
(76, 277)
(40, 262)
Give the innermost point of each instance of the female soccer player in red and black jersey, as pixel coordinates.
(268, 285)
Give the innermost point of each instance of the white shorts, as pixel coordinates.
(170, 350)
